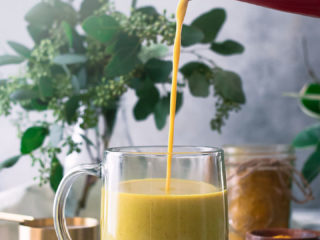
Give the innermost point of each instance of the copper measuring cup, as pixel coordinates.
(42, 229)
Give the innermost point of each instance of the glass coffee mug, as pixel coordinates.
(135, 204)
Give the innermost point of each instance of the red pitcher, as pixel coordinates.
(305, 7)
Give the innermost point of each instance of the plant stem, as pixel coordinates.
(134, 4)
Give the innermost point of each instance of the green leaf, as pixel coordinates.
(158, 70)
(10, 59)
(125, 57)
(311, 168)
(153, 51)
(75, 85)
(229, 84)
(45, 87)
(179, 101)
(32, 139)
(148, 10)
(23, 94)
(102, 28)
(188, 69)
(37, 33)
(161, 112)
(67, 59)
(148, 98)
(65, 12)
(110, 116)
(42, 14)
(228, 47)
(199, 85)
(35, 104)
(56, 173)
(9, 162)
(82, 78)
(191, 35)
(68, 32)
(71, 109)
(20, 49)
(308, 137)
(88, 7)
(210, 23)
(311, 107)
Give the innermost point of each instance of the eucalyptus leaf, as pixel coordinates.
(75, 85)
(87, 140)
(158, 70)
(46, 87)
(20, 49)
(88, 7)
(148, 10)
(32, 139)
(102, 28)
(228, 47)
(42, 14)
(37, 33)
(191, 35)
(188, 69)
(311, 168)
(161, 112)
(82, 78)
(56, 173)
(65, 12)
(110, 115)
(229, 85)
(153, 51)
(199, 85)
(71, 109)
(68, 32)
(68, 59)
(148, 98)
(210, 23)
(125, 56)
(23, 94)
(10, 59)
(35, 104)
(308, 137)
(9, 162)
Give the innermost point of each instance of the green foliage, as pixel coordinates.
(210, 23)
(20, 49)
(311, 168)
(310, 106)
(228, 47)
(33, 138)
(9, 59)
(79, 77)
(309, 137)
(56, 173)
(9, 162)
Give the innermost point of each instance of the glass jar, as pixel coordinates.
(259, 183)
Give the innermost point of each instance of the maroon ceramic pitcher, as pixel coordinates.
(305, 7)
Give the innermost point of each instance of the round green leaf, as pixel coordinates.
(33, 138)
(210, 23)
(42, 14)
(9, 162)
(23, 94)
(10, 59)
(56, 173)
(228, 47)
(20, 49)
(46, 87)
(308, 137)
(311, 107)
(158, 70)
(66, 59)
(191, 35)
(311, 168)
(199, 85)
(71, 109)
(102, 28)
(161, 112)
(229, 84)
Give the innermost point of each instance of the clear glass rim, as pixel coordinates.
(178, 150)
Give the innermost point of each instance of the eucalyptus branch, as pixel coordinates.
(92, 158)
(200, 57)
(98, 141)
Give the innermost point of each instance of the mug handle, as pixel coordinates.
(62, 193)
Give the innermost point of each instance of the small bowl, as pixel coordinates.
(276, 233)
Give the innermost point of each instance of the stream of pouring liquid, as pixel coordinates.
(180, 15)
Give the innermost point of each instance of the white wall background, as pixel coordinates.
(271, 65)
